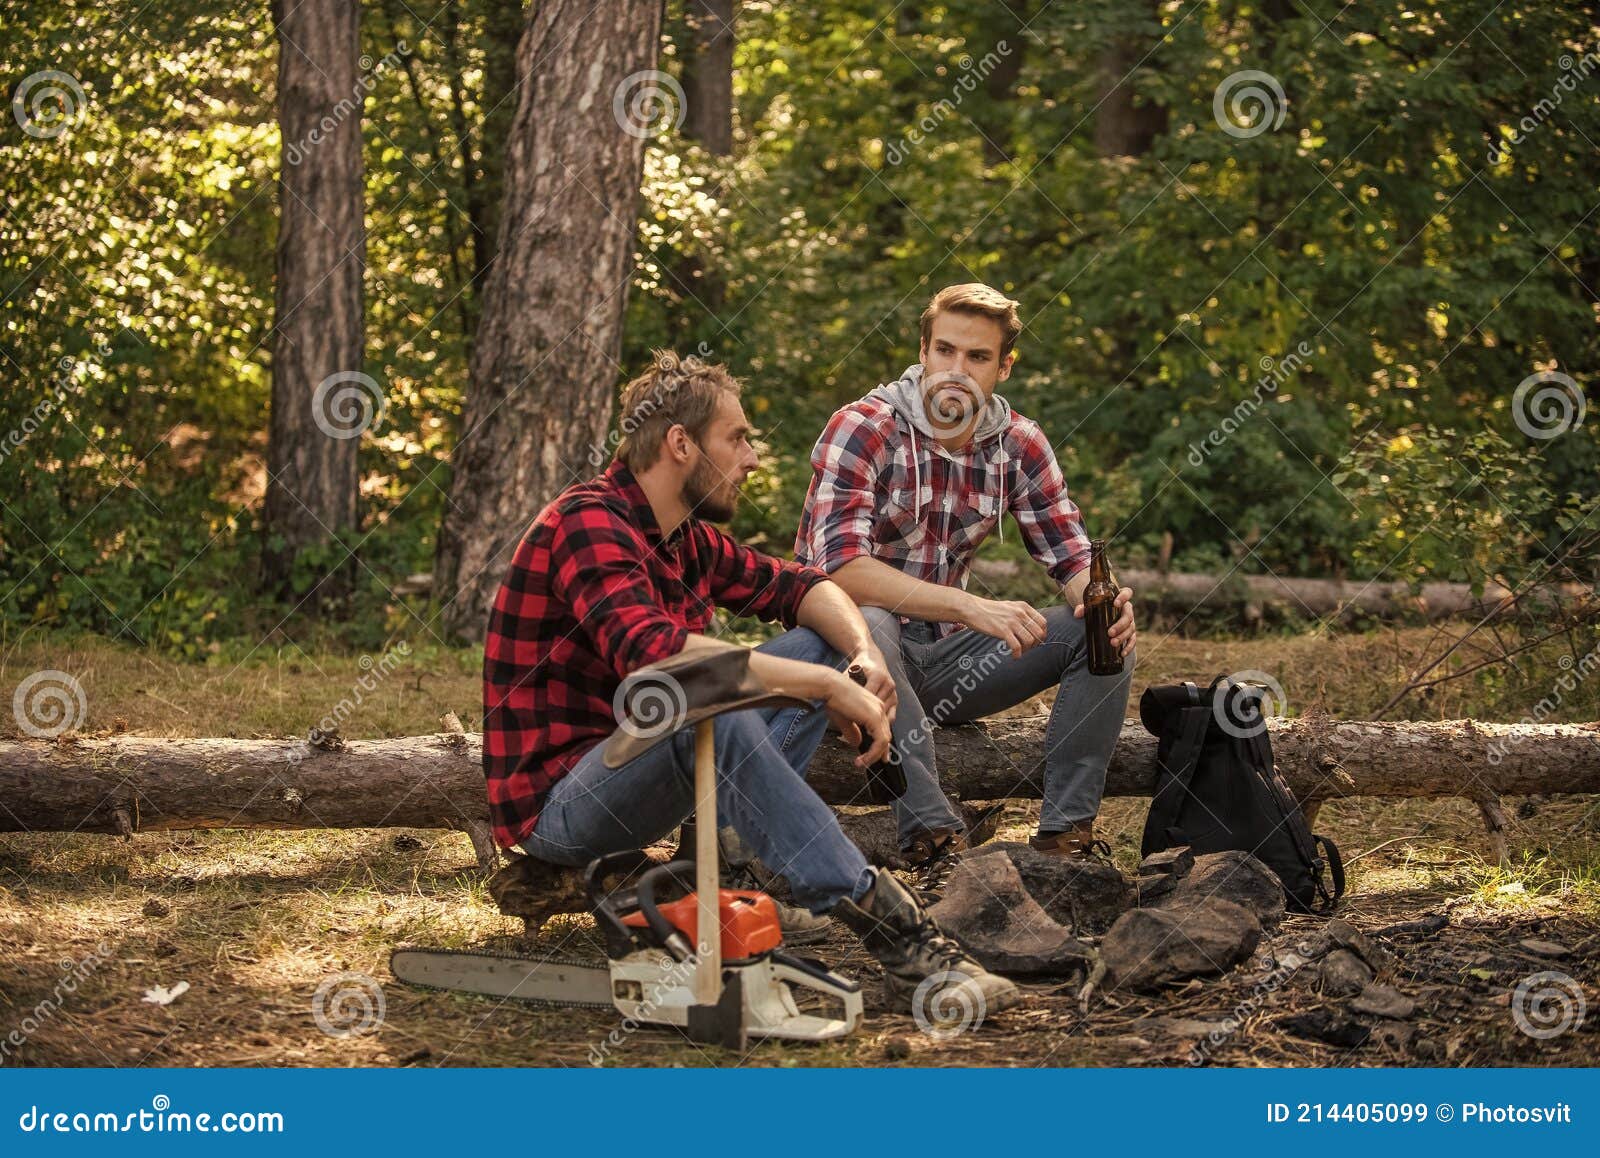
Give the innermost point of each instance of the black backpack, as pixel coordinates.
(1217, 789)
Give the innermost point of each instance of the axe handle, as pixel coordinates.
(708, 921)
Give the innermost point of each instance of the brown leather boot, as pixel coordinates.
(1077, 843)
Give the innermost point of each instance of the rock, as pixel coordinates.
(1545, 948)
(1395, 1034)
(1152, 888)
(1344, 974)
(1338, 934)
(1147, 948)
(1325, 1026)
(1384, 1001)
(1231, 876)
(1174, 862)
(989, 910)
(1082, 896)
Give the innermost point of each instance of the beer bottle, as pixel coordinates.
(886, 779)
(1099, 612)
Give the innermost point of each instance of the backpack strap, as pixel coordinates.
(1336, 869)
(1175, 773)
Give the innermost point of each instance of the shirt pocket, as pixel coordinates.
(899, 529)
(973, 522)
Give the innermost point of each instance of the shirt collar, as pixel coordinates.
(620, 479)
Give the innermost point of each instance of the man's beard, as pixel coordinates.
(708, 495)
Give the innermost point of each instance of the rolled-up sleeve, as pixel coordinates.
(598, 565)
(841, 505)
(1051, 524)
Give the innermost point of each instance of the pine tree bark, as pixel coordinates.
(544, 362)
(320, 401)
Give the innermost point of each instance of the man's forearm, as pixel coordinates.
(830, 612)
(1072, 589)
(873, 583)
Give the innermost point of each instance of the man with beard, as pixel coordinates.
(622, 571)
(907, 483)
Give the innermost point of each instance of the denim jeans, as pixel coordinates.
(968, 675)
(761, 756)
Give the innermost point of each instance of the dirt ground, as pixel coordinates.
(256, 922)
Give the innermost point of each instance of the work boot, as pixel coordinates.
(931, 853)
(927, 973)
(1077, 843)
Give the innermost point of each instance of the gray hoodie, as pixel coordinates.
(905, 396)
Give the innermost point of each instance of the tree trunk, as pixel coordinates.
(321, 400)
(1006, 46)
(127, 784)
(1251, 595)
(708, 75)
(544, 363)
(1123, 128)
(708, 119)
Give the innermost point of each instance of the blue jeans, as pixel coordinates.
(968, 675)
(762, 755)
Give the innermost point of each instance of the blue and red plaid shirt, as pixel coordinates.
(881, 489)
(594, 592)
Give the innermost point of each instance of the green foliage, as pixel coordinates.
(1415, 223)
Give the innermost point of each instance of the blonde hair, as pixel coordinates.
(673, 390)
(975, 298)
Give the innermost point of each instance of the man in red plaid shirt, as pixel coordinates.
(622, 571)
(908, 482)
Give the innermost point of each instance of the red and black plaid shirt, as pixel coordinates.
(594, 592)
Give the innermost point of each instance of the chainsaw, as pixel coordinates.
(649, 972)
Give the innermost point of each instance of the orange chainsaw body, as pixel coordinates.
(749, 922)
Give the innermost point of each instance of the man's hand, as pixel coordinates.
(856, 712)
(1014, 622)
(879, 682)
(1122, 630)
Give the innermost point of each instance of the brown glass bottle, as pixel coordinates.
(1099, 613)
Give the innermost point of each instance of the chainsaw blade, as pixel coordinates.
(554, 981)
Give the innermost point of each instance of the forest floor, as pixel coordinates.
(255, 922)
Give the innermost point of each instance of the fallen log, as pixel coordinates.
(126, 784)
(1249, 595)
